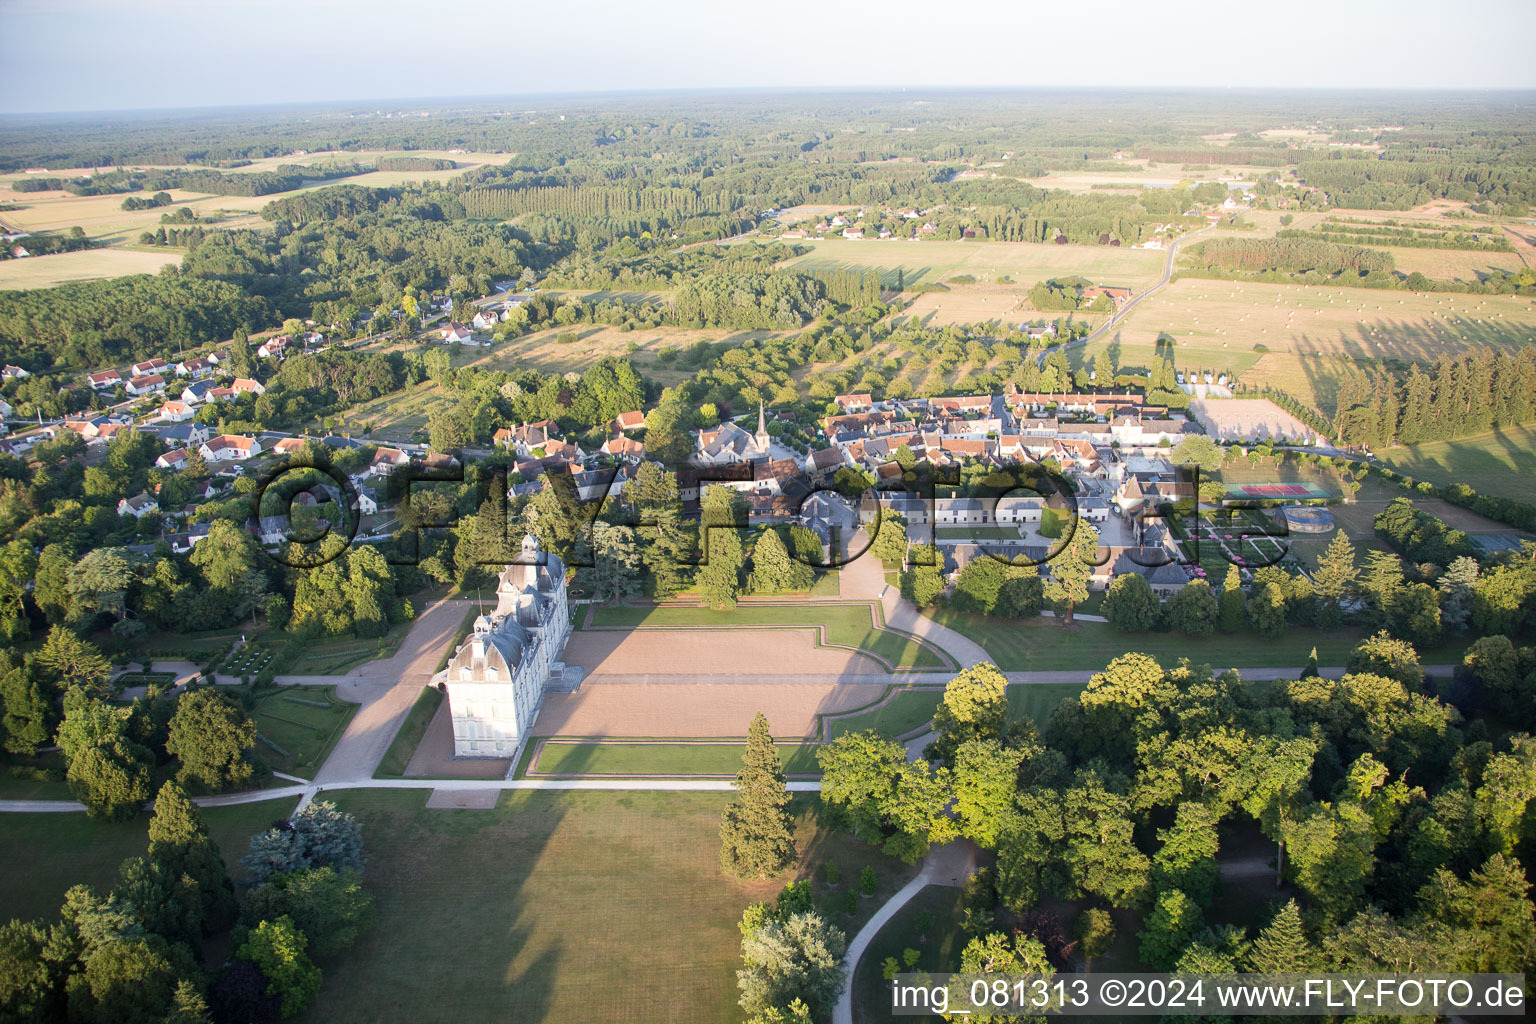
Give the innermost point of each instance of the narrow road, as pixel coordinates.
(1118, 316)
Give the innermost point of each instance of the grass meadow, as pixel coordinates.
(1046, 644)
(42, 855)
(590, 906)
(1501, 463)
(1311, 334)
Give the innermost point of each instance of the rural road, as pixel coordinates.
(1118, 316)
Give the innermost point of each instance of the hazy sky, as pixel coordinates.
(123, 54)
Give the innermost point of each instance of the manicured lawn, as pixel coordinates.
(1037, 701)
(562, 906)
(827, 585)
(42, 855)
(17, 787)
(305, 721)
(1502, 463)
(846, 625)
(409, 737)
(664, 758)
(908, 710)
(1046, 644)
(976, 533)
(337, 657)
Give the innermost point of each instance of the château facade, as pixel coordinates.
(497, 678)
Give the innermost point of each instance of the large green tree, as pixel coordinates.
(1131, 606)
(1071, 568)
(773, 571)
(757, 831)
(211, 736)
(179, 841)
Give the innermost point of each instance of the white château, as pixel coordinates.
(497, 678)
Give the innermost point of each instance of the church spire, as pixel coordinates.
(762, 428)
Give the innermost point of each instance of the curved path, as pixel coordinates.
(864, 579)
(951, 865)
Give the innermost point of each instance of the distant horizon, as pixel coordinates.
(154, 55)
(481, 99)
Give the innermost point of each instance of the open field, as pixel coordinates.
(575, 899)
(42, 855)
(103, 216)
(1501, 463)
(849, 626)
(1044, 644)
(543, 352)
(1311, 332)
(1451, 264)
(929, 261)
(85, 265)
(397, 416)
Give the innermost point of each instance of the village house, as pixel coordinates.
(1118, 296)
(525, 437)
(186, 540)
(484, 320)
(146, 384)
(13, 373)
(173, 459)
(273, 348)
(229, 448)
(855, 403)
(105, 379)
(151, 366)
(627, 421)
(387, 460)
(175, 411)
(184, 435)
(196, 367)
(247, 386)
(221, 394)
(138, 506)
(197, 392)
(456, 332)
(822, 464)
(623, 448)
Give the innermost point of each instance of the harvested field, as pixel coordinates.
(928, 261)
(1311, 332)
(86, 265)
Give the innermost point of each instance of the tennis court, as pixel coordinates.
(1299, 489)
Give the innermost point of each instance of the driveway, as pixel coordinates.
(386, 690)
